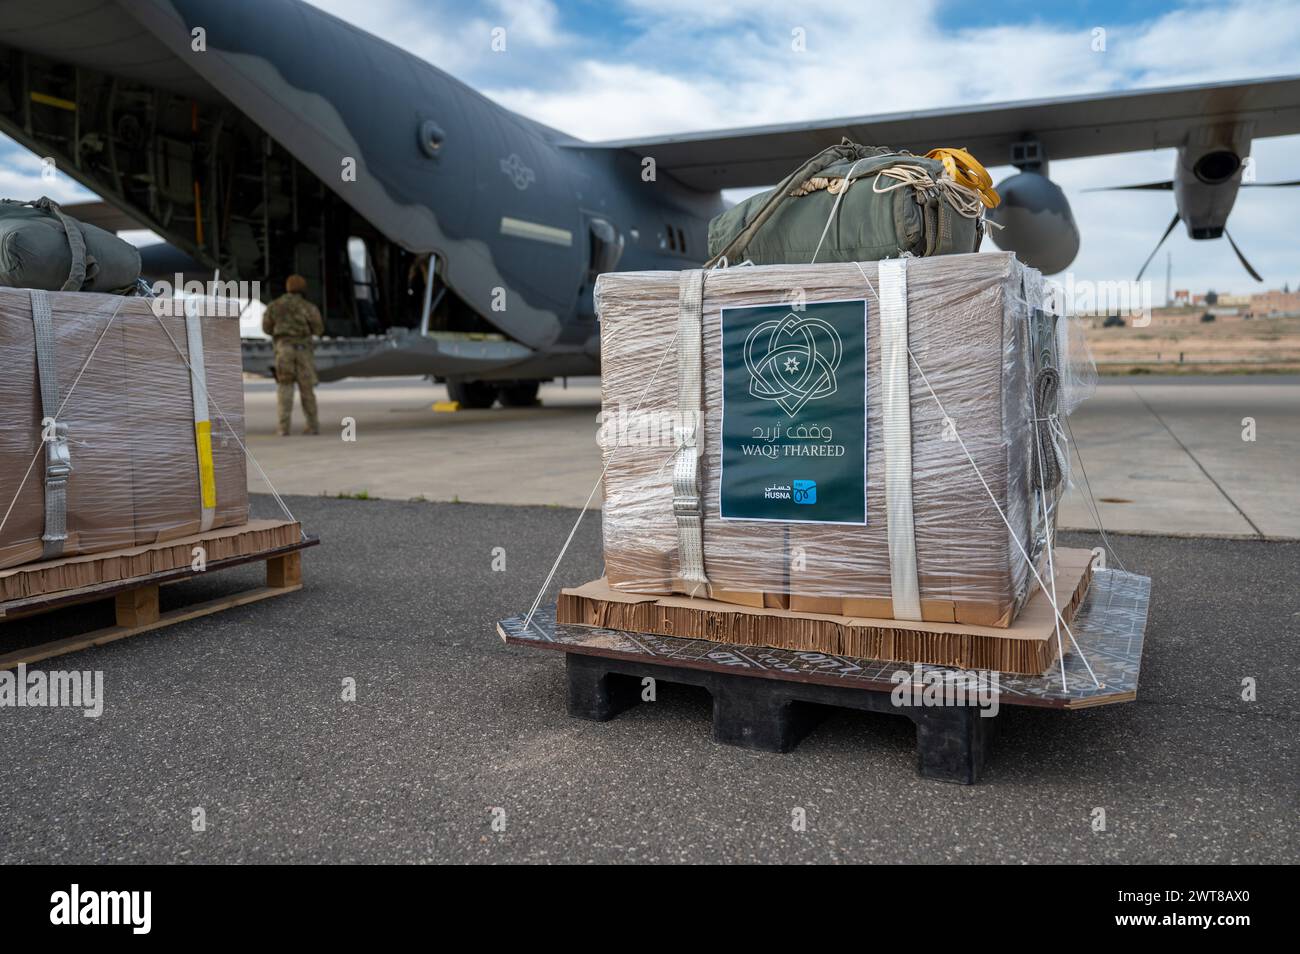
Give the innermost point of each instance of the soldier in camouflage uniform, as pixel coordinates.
(291, 320)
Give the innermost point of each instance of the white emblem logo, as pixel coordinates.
(517, 172)
(792, 361)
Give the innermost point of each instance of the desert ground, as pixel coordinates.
(1223, 346)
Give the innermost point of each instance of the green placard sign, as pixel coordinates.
(794, 413)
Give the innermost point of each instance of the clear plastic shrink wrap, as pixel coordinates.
(126, 424)
(975, 325)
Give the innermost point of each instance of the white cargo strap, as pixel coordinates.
(686, 434)
(54, 433)
(202, 424)
(896, 412)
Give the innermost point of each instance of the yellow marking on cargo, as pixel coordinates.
(207, 476)
(45, 99)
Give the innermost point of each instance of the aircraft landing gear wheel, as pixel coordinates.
(473, 395)
(520, 394)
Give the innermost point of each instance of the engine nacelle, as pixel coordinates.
(1036, 222)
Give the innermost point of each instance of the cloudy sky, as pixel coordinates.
(603, 69)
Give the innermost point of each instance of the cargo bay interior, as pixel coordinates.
(171, 153)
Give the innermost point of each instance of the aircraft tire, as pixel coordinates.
(472, 395)
(519, 394)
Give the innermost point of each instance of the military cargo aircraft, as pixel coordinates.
(445, 235)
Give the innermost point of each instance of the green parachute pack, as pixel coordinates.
(853, 203)
(42, 247)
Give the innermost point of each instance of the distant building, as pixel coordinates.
(1235, 301)
(1275, 304)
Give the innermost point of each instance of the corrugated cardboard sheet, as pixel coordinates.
(91, 569)
(1027, 646)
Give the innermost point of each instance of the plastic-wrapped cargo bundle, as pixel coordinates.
(118, 426)
(772, 439)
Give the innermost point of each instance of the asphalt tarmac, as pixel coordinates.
(241, 714)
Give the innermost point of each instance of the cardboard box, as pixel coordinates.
(127, 402)
(970, 326)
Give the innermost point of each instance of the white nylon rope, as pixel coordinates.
(992, 497)
(964, 200)
(64, 403)
(221, 414)
(848, 180)
(537, 601)
(1050, 593)
(274, 493)
(1092, 502)
(1014, 538)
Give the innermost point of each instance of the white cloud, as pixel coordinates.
(21, 177)
(446, 34)
(619, 100)
(732, 65)
(692, 65)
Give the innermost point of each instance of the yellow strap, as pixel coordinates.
(966, 169)
(207, 476)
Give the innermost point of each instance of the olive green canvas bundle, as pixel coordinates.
(889, 204)
(43, 248)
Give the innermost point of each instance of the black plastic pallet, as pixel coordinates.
(773, 716)
(769, 699)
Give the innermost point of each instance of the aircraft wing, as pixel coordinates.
(106, 216)
(1069, 127)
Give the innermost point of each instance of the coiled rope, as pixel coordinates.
(965, 183)
(964, 200)
(1048, 465)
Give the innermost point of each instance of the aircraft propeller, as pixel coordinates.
(1167, 186)
(1174, 221)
